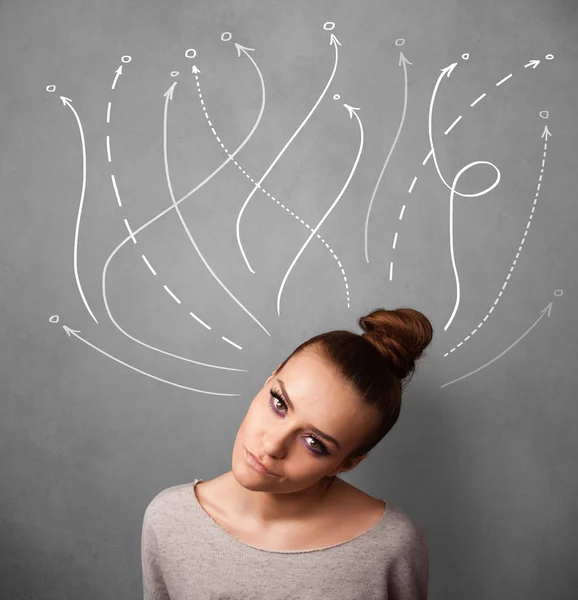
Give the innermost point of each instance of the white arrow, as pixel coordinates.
(334, 40)
(448, 71)
(243, 49)
(258, 184)
(195, 69)
(403, 62)
(118, 74)
(169, 93)
(75, 333)
(168, 96)
(494, 304)
(352, 112)
(532, 63)
(547, 310)
(208, 267)
(67, 102)
(546, 133)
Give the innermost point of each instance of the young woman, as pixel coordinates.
(281, 524)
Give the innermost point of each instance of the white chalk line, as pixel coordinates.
(429, 154)
(270, 195)
(168, 290)
(512, 267)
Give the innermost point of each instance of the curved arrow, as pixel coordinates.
(352, 112)
(169, 96)
(118, 74)
(447, 71)
(161, 214)
(545, 135)
(67, 102)
(453, 191)
(402, 61)
(546, 310)
(335, 42)
(264, 191)
(75, 333)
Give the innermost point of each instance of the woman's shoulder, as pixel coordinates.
(168, 502)
(403, 532)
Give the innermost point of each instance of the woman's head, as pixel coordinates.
(342, 384)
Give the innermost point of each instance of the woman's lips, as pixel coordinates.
(256, 465)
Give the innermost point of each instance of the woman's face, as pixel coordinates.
(285, 423)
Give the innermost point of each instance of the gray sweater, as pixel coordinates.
(186, 555)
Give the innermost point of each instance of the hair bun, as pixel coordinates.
(401, 336)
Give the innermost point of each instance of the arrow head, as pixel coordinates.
(351, 110)
(532, 63)
(448, 70)
(243, 48)
(69, 330)
(169, 92)
(547, 308)
(195, 70)
(65, 100)
(119, 70)
(403, 59)
(334, 40)
(546, 133)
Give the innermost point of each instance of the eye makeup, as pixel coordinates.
(278, 397)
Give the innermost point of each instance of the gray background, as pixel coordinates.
(484, 465)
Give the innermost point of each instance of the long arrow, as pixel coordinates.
(545, 135)
(352, 112)
(263, 190)
(547, 310)
(161, 214)
(448, 71)
(335, 42)
(67, 102)
(75, 333)
(402, 62)
(169, 96)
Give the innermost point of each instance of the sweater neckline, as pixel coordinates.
(367, 533)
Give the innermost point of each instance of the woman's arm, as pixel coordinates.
(153, 582)
(409, 574)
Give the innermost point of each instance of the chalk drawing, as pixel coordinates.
(173, 294)
(546, 133)
(403, 62)
(335, 42)
(268, 194)
(68, 102)
(545, 311)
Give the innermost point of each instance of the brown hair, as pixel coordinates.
(378, 363)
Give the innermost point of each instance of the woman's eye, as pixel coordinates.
(322, 449)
